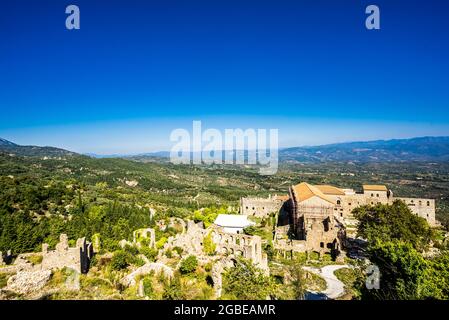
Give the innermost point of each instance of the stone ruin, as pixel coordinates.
(147, 233)
(148, 267)
(5, 258)
(30, 278)
(173, 222)
(77, 258)
(261, 207)
(157, 268)
(216, 273)
(190, 241)
(249, 247)
(227, 244)
(138, 236)
(228, 248)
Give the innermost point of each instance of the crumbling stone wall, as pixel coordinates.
(138, 236)
(191, 241)
(322, 239)
(227, 244)
(249, 247)
(157, 268)
(21, 263)
(147, 233)
(260, 207)
(173, 222)
(344, 204)
(77, 258)
(291, 245)
(216, 274)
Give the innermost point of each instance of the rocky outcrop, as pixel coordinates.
(26, 282)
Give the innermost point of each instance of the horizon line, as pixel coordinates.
(146, 153)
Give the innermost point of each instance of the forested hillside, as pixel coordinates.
(79, 195)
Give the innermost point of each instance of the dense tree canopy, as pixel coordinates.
(406, 274)
(20, 232)
(389, 222)
(246, 282)
(397, 240)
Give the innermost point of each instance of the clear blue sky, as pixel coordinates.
(138, 69)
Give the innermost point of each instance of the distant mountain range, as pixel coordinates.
(33, 151)
(396, 150)
(415, 149)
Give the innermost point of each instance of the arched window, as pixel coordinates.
(338, 202)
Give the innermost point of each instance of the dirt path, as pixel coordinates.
(335, 288)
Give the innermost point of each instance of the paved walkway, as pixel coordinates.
(335, 288)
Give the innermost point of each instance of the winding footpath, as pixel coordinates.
(335, 288)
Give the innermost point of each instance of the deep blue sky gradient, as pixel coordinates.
(241, 60)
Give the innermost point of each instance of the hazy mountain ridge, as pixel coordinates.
(414, 149)
(33, 151)
(394, 150)
(4, 143)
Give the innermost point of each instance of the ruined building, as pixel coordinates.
(249, 247)
(77, 258)
(317, 217)
(348, 199)
(345, 200)
(261, 207)
(311, 220)
(227, 244)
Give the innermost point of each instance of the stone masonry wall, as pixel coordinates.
(259, 207)
(77, 258)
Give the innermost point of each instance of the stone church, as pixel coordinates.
(318, 217)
